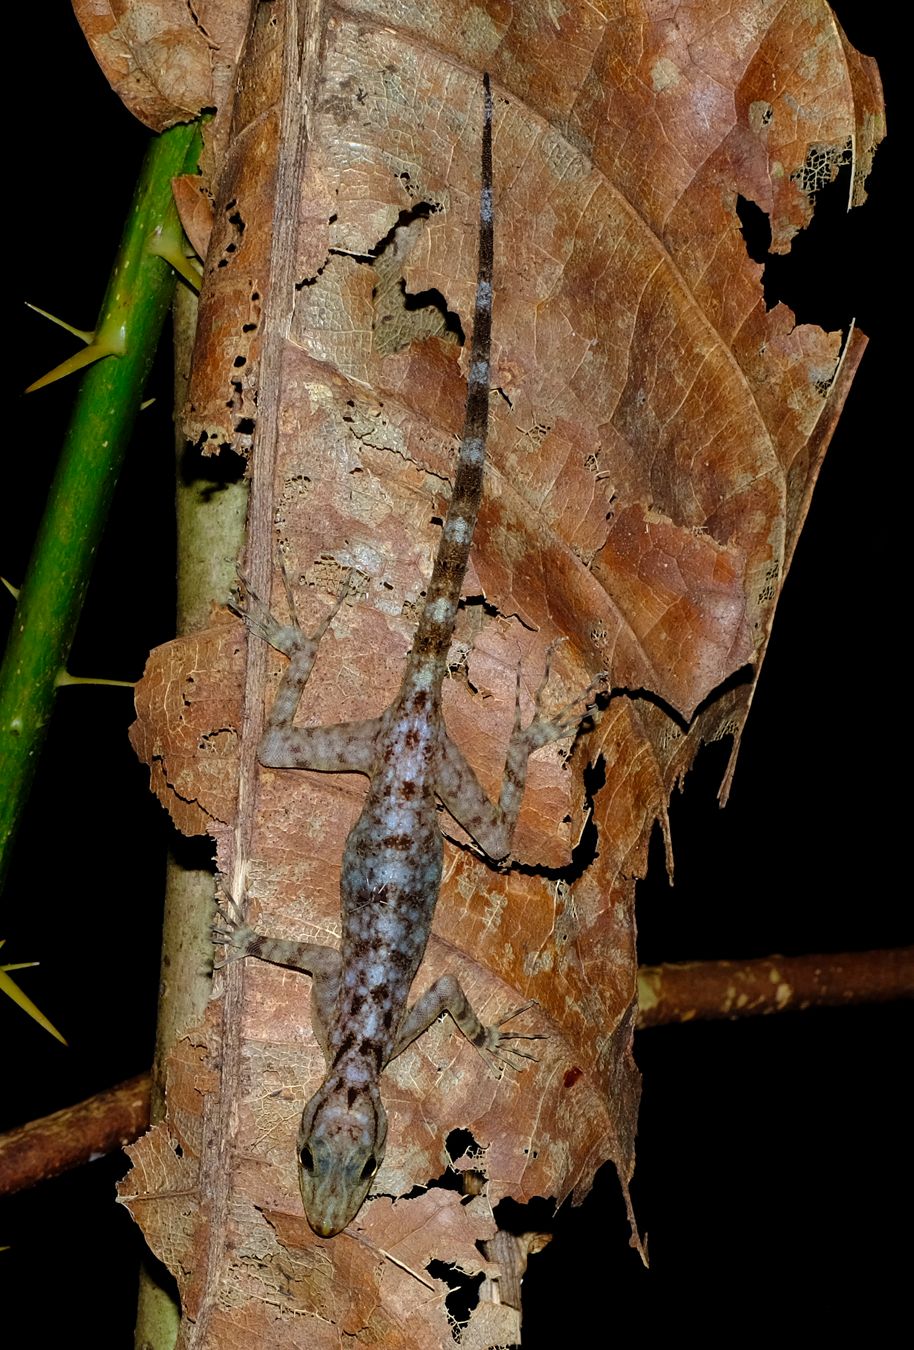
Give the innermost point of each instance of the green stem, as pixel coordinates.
(133, 312)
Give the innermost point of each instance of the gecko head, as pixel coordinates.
(340, 1148)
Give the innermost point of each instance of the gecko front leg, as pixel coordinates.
(320, 962)
(493, 826)
(342, 748)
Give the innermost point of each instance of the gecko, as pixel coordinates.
(392, 863)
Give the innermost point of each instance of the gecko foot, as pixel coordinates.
(286, 638)
(495, 1041)
(547, 727)
(231, 933)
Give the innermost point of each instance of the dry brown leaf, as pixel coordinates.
(195, 208)
(194, 775)
(168, 60)
(656, 435)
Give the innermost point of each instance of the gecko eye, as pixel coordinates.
(307, 1159)
(370, 1167)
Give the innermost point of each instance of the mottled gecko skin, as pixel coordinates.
(393, 857)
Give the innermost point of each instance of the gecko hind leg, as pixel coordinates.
(446, 995)
(546, 727)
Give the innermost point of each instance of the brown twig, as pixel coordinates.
(705, 990)
(700, 990)
(45, 1148)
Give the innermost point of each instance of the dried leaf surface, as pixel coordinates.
(187, 726)
(195, 208)
(167, 60)
(656, 435)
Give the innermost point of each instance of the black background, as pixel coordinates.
(774, 1175)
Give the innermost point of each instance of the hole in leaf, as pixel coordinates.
(211, 473)
(804, 277)
(433, 299)
(464, 1295)
(461, 1142)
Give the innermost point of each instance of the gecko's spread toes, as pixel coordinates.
(257, 618)
(226, 930)
(502, 1056)
(286, 638)
(516, 1012)
(495, 1043)
(230, 933)
(565, 721)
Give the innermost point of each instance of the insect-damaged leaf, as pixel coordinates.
(656, 433)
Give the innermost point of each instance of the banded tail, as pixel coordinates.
(436, 625)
